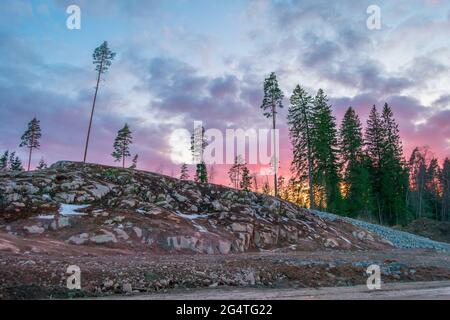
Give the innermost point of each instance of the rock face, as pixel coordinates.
(137, 210)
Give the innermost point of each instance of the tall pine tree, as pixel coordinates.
(102, 58)
(273, 99)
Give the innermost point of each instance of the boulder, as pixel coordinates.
(106, 237)
(34, 229)
(79, 239)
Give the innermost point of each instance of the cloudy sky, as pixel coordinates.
(184, 60)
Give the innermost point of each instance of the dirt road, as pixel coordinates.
(109, 272)
(433, 290)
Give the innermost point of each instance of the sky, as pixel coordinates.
(180, 61)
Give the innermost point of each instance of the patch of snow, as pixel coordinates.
(191, 216)
(46, 217)
(69, 209)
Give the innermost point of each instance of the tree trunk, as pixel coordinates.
(29, 159)
(92, 113)
(275, 164)
(312, 202)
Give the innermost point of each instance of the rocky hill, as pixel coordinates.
(99, 206)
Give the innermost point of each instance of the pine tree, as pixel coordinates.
(300, 132)
(42, 165)
(134, 162)
(102, 58)
(122, 145)
(199, 141)
(355, 173)
(184, 173)
(445, 187)
(325, 151)
(235, 171)
(246, 180)
(30, 139)
(273, 99)
(4, 161)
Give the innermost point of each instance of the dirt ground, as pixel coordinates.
(434, 290)
(114, 273)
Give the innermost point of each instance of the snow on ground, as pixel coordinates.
(70, 209)
(46, 217)
(192, 218)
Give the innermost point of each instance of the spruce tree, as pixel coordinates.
(355, 173)
(201, 175)
(246, 180)
(300, 131)
(4, 161)
(325, 151)
(122, 145)
(394, 175)
(184, 173)
(102, 59)
(375, 138)
(30, 139)
(273, 99)
(14, 162)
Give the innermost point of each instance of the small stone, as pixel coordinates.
(127, 288)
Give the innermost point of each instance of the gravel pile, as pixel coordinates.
(398, 238)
